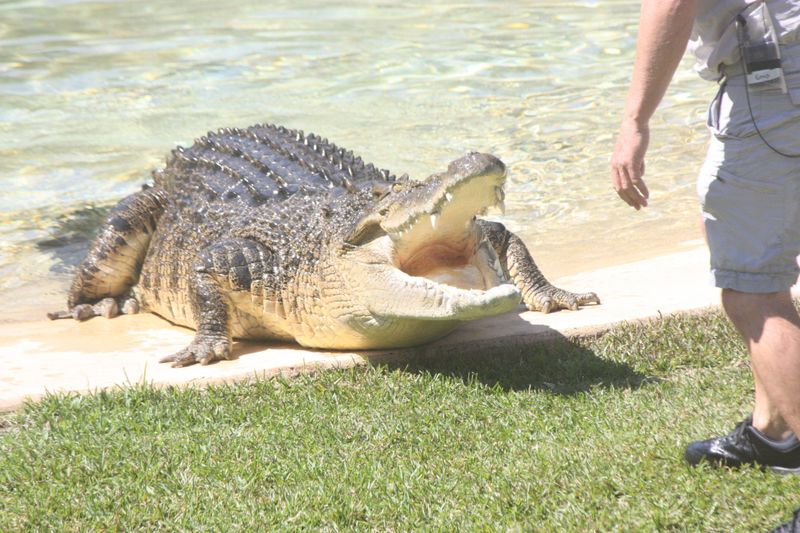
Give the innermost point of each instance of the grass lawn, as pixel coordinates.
(570, 436)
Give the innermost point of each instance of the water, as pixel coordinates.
(94, 94)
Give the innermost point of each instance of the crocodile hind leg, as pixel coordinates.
(538, 294)
(103, 280)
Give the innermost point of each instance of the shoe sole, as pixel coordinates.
(784, 471)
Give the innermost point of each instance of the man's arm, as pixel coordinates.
(664, 29)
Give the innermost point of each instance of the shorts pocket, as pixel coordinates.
(730, 114)
(712, 120)
(745, 222)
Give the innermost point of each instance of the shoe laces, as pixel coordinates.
(738, 433)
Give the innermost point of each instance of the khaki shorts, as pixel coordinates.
(750, 196)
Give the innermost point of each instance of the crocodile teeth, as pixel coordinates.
(448, 196)
(434, 219)
(501, 199)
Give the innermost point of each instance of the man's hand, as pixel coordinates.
(627, 164)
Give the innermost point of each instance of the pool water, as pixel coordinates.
(93, 95)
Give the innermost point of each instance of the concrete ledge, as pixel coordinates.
(41, 357)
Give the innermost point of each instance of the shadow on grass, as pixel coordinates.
(534, 357)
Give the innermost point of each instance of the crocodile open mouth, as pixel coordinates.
(423, 253)
(438, 238)
(446, 244)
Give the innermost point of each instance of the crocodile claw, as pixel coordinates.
(203, 350)
(554, 299)
(107, 308)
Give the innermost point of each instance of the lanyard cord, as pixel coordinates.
(740, 23)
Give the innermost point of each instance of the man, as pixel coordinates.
(749, 188)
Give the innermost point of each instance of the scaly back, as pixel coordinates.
(260, 164)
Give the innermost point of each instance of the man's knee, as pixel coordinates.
(754, 297)
(753, 302)
(751, 310)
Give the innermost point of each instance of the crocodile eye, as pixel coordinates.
(380, 191)
(397, 187)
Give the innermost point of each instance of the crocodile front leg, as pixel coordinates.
(212, 342)
(538, 294)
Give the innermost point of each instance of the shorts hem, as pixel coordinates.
(756, 283)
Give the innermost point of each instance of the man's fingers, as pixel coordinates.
(632, 191)
(641, 186)
(620, 182)
(627, 163)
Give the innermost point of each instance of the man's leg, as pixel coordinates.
(770, 327)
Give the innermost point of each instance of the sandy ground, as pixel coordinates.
(42, 356)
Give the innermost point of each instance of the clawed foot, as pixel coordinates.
(107, 307)
(553, 299)
(203, 350)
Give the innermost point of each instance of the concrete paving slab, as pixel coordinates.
(44, 356)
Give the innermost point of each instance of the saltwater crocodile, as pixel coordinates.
(269, 233)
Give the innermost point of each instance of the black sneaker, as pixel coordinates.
(790, 526)
(747, 445)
